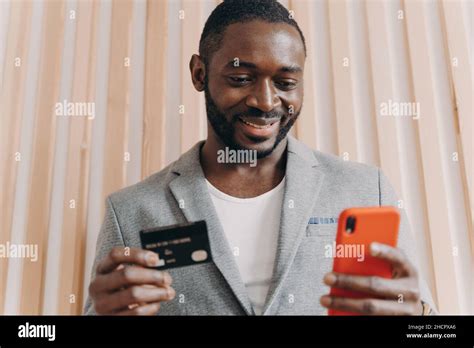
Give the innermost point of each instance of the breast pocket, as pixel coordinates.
(326, 230)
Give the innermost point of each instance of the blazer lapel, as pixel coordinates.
(303, 183)
(190, 189)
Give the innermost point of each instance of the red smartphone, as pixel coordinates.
(357, 229)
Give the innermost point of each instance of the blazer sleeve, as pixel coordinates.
(405, 238)
(109, 237)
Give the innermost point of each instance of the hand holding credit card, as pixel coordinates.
(178, 245)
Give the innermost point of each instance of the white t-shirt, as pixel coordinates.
(251, 226)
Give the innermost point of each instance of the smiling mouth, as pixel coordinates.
(258, 126)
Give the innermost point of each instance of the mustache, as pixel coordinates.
(259, 113)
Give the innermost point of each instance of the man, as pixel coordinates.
(269, 224)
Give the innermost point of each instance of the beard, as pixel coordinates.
(225, 128)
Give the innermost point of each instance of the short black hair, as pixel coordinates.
(241, 11)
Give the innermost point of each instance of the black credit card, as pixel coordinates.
(178, 245)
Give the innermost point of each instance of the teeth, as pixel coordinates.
(256, 125)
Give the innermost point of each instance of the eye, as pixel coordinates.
(239, 80)
(286, 84)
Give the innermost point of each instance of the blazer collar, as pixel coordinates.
(189, 163)
(190, 189)
(304, 178)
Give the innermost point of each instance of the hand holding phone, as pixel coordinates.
(370, 275)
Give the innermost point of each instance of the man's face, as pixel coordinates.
(254, 86)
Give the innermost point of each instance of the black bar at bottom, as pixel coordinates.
(432, 330)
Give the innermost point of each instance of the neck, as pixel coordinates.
(268, 172)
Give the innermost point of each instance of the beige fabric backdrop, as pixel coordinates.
(130, 59)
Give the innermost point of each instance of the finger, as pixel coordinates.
(120, 300)
(119, 255)
(131, 275)
(372, 285)
(368, 306)
(147, 309)
(394, 256)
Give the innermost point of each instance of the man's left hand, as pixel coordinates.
(397, 296)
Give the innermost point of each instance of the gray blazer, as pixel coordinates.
(318, 187)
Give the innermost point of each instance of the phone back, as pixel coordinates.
(357, 229)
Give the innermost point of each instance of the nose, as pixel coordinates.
(263, 97)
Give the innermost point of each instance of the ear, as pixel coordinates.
(198, 72)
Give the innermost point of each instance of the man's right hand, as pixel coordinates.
(124, 286)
